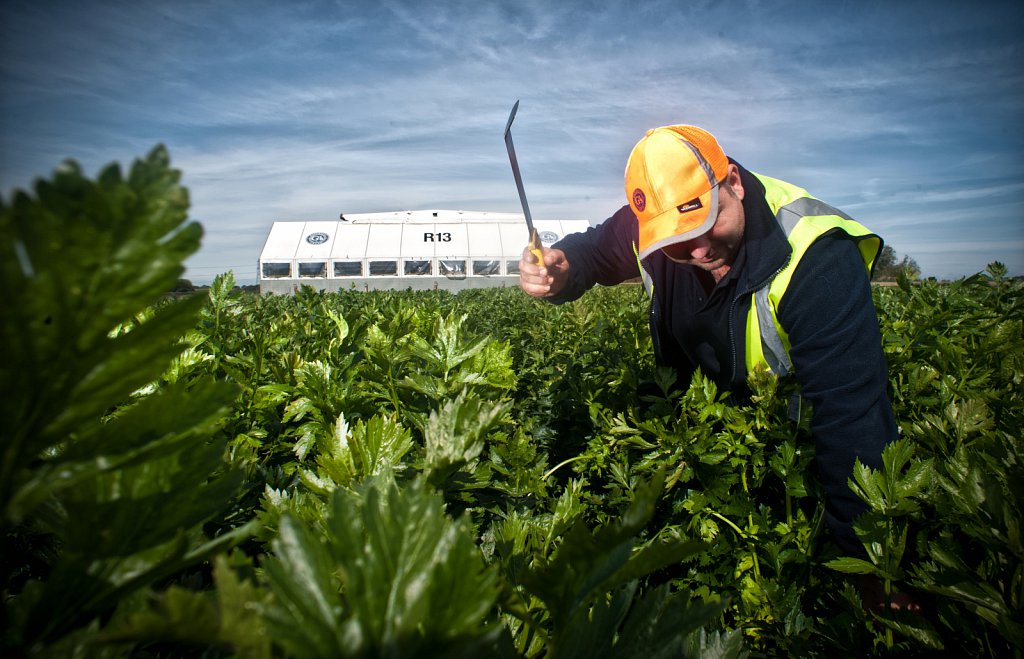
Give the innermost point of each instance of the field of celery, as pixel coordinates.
(417, 474)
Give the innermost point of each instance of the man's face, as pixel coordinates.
(716, 249)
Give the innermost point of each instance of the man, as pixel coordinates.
(744, 270)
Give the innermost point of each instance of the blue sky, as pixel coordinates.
(909, 116)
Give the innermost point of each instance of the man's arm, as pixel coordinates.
(837, 356)
(600, 255)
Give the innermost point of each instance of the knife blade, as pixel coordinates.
(534, 243)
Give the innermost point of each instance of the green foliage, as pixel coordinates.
(573, 583)
(956, 353)
(404, 473)
(108, 470)
(393, 576)
(225, 619)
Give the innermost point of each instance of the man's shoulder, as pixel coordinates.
(623, 225)
(834, 250)
(831, 266)
(624, 214)
(609, 243)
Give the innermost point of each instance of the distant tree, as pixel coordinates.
(183, 286)
(889, 266)
(909, 267)
(886, 260)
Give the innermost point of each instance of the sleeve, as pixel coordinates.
(836, 350)
(600, 255)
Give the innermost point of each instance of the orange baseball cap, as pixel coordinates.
(671, 178)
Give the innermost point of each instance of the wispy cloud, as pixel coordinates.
(905, 115)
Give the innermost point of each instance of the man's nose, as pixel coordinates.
(696, 248)
(699, 247)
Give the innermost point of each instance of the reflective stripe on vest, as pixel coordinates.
(804, 220)
(646, 278)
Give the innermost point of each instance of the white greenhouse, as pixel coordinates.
(421, 250)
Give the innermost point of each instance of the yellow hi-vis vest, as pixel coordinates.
(803, 219)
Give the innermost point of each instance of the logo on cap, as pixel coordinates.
(639, 200)
(691, 205)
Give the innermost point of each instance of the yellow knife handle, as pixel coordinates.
(536, 248)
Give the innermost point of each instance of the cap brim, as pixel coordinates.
(673, 227)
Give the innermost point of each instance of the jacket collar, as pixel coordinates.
(767, 250)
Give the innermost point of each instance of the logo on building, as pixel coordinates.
(318, 238)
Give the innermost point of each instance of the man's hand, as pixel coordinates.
(543, 279)
(872, 597)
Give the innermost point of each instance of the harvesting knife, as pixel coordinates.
(534, 245)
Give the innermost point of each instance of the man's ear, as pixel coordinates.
(733, 180)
